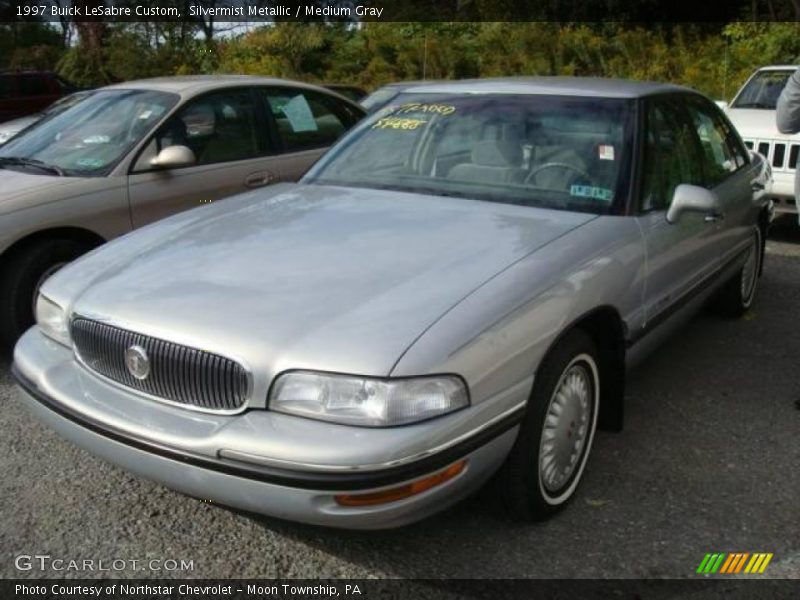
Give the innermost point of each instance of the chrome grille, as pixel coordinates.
(781, 155)
(177, 373)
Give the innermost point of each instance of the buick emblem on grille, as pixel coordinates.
(137, 362)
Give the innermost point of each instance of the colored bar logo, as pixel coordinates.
(734, 562)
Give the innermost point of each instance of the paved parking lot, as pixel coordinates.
(709, 461)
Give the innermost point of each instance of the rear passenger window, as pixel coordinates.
(306, 120)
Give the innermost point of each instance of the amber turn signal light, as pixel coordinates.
(403, 491)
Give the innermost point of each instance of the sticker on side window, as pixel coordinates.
(591, 191)
(299, 114)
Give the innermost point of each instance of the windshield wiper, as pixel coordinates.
(16, 161)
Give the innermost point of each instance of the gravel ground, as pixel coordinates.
(708, 462)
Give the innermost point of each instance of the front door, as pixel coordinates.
(232, 149)
(682, 257)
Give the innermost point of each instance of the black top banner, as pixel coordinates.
(355, 11)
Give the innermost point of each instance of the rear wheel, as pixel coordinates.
(547, 461)
(22, 275)
(737, 295)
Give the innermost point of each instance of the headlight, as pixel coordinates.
(367, 401)
(52, 320)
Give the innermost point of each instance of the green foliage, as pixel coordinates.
(713, 58)
(29, 45)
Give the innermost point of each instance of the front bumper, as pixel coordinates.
(199, 455)
(782, 192)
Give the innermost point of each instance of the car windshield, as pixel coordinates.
(65, 102)
(535, 150)
(378, 98)
(90, 137)
(762, 90)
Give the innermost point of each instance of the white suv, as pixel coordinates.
(752, 112)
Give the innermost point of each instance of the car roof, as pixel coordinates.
(778, 68)
(557, 86)
(190, 85)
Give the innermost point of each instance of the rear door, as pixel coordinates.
(682, 257)
(305, 123)
(233, 149)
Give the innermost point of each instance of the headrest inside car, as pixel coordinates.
(497, 153)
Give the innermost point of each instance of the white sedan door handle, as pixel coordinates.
(259, 179)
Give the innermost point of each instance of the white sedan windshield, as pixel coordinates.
(89, 138)
(536, 150)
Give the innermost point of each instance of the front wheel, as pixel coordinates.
(552, 448)
(737, 295)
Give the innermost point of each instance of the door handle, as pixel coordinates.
(714, 216)
(259, 179)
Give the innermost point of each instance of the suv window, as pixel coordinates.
(763, 89)
(33, 85)
(671, 156)
(307, 120)
(722, 154)
(218, 127)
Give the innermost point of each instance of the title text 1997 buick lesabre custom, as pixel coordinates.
(455, 289)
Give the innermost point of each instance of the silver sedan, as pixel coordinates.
(454, 291)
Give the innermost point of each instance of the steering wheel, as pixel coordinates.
(557, 165)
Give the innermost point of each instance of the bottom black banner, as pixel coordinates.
(299, 589)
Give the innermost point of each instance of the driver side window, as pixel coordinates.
(671, 153)
(217, 127)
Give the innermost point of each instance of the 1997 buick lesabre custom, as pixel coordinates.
(455, 289)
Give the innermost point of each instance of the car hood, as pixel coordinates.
(756, 123)
(305, 276)
(23, 189)
(17, 125)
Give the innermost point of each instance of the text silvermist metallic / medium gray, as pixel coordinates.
(454, 291)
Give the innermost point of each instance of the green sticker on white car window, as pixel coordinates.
(591, 191)
(92, 163)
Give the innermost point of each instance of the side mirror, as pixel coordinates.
(693, 198)
(174, 156)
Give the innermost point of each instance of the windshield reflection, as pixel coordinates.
(90, 137)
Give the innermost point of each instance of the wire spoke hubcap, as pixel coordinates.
(566, 427)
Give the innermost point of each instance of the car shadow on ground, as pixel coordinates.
(785, 228)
